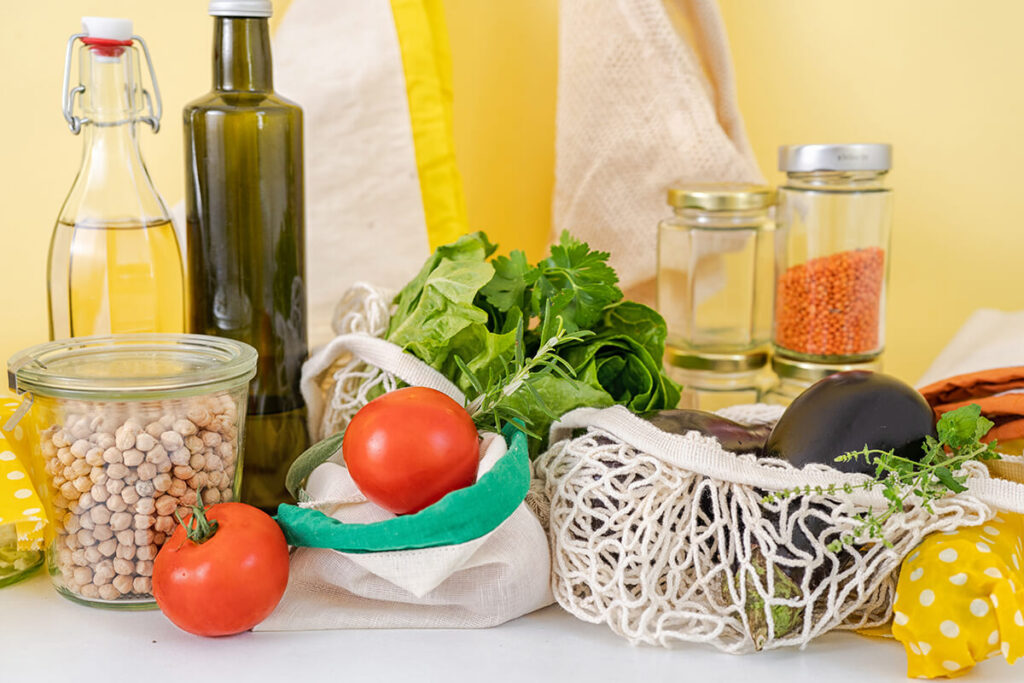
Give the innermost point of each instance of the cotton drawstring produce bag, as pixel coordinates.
(374, 82)
(646, 98)
(669, 538)
(476, 558)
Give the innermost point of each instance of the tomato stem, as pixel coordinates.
(198, 528)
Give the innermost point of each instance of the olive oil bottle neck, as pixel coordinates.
(241, 55)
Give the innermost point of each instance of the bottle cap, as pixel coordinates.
(107, 28)
(853, 157)
(240, 8)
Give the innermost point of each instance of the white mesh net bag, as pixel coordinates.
(336, 382)
(666, 537)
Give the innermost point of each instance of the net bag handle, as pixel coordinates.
(391, 359)
(703, 455)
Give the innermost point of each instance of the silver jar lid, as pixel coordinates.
(853, 157)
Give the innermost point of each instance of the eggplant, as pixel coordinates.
(846, 412)
(733, 436)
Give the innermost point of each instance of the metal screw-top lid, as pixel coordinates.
(240, 8)
(809, 373)
(721, 196)
(853, 157)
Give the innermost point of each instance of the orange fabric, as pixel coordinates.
(983, 387)
(973, 385)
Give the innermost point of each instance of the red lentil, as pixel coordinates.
(830, 306)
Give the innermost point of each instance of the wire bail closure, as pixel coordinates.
(154, 103)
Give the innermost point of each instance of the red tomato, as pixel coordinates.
(408, 448)
(229, 583)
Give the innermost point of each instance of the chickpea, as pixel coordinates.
(144, 442)
(123, 584)
(116, 503)
(183, 472)
(157, 454)
(178, 488)
(181, 457)
(185, 427)
(146, 552)
(146, 471)
(130, 495)
(113, 456)
(142, 584)
(109, 592)
(120, 521)
(199, 415)
(125, 567)
(99, 514)
(94, 457)
(165, 505)
(117, 471)
(126, 551)
(171, 441)
(83, 575)
(162, 482)
(134, 457)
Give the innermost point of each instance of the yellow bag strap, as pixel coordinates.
(426, 61)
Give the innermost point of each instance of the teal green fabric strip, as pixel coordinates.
(459, 517)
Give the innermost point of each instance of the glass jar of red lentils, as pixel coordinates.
(833, 224)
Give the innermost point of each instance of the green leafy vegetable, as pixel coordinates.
(531, 342)
(935, 476)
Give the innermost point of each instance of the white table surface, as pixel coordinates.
(44, 637)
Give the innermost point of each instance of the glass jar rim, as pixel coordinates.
(132, 366)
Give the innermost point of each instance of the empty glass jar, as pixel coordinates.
(714, 275)
(833, 219)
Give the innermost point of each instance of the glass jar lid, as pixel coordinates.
(809, 373)
(751, 361)
(132, 366)
(851, 157)
(721, 196)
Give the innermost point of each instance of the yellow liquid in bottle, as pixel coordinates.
(123, 278)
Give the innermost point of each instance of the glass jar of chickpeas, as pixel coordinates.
(131, 430)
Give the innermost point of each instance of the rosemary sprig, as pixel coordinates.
(936, 475)
(491, 408)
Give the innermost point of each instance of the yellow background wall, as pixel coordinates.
(940, 79)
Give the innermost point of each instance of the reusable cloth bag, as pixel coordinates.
(476, 558)
(374, 81)
(646, 98)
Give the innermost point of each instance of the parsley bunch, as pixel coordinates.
(937, 474)
(530, 342)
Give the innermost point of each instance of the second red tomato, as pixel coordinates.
(408, 448)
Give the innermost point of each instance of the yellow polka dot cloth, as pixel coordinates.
(19, 502)
(960, 598)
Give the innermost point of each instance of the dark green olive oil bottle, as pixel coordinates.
(246, 236)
